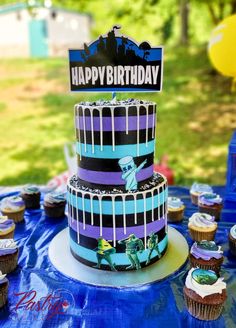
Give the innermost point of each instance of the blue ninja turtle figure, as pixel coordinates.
(104, 252)
(133, 246)
(152, 246)
(130, 169)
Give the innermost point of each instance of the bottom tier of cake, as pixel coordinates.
(112, 230)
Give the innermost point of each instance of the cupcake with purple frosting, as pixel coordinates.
(8, 255)
(54, 204)
(210, 203)
(3, 289)
(7, 227)
(197, 189)
(13, 207)
(206, 255)
(175, 209)
(202, 226)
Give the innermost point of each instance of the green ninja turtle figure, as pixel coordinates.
(133, 246)
(152, 245)
(104, 251)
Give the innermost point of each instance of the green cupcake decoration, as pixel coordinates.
(204, 277)
(207, 245)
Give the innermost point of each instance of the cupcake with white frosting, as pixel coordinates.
(175, 209)
(8, 255)
(206, 255)
(4, 283)
(7, 227)
(232, 240)
(204, 294)
(13, 207)
(202, 226)
(210, 203)
(54, 204)
(197, 189)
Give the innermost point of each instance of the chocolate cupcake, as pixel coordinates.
(8, 255)
(197, 189)
(232, 240)
(175, 209)
(204, 294)
(31, 196)
(7, 227)
(206, 255)
(210, 203)
(54, 204)
(13, 207)
(202, 226)
(3, 289)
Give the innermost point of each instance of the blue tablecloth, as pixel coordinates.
(160, 304)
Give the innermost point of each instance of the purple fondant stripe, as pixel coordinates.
(111, 178)
(119, 123)
(107, 233)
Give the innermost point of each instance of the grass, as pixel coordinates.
(196, 117)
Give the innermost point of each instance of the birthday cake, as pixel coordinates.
(117, 206)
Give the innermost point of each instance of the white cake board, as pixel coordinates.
(62, 259)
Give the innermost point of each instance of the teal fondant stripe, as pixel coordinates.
(118, 258)
(129, 204)
(120, 150)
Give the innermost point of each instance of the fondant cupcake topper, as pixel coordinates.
(204, 277)
(207, 245)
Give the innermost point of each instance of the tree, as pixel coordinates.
(184, 21)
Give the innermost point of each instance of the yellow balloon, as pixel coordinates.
(222, 47)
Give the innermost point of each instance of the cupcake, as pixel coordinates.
(7, 227)
(206, 255)
(175, 209)
(54, 204)
(204, 294)
(31, 196)
(3, 289)
(13, 207)
(202, 227)
(197, 189)
(8, 255)
(210, 203)
(232, 240)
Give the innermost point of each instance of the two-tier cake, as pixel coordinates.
(117, 206)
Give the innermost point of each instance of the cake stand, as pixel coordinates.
(174, 258)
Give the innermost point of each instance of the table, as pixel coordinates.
(156, 305)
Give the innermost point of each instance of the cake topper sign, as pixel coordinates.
(116, 63)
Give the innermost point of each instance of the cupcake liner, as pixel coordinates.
(31, 201)
(3, 294)
(194, 199)
(212, 210)
(54, 211)
(202, 235)
(175, 216)
(232, 246)
(203, 311)
(8, 262)
(9, 235)
(15, 216)
(213, 264)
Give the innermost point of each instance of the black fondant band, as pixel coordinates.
(121, 138)
(110, 165)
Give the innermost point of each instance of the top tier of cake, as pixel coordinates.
(115, 143)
